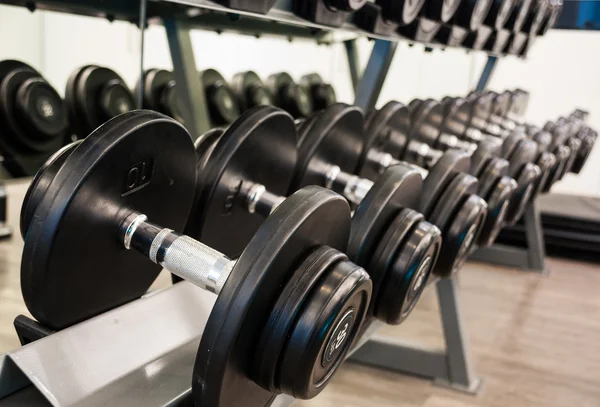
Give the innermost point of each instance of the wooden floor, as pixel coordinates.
(535, 340)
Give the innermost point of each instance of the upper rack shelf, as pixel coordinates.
(318, 22)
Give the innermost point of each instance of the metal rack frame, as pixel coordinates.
(533, 258)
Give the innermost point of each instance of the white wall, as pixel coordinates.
(560, 72)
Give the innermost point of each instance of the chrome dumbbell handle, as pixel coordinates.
(181, 255)
(352, 187)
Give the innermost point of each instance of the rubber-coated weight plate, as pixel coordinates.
(39, 185)
(398, 187)
(290, 96)
(250, 90)
(440, 175)
(386, 131)
(546, 162)
(584, 153)
(97, 94)
(526, 151)
(494, 169)
(284, 312)
(318, 343)
(463, 233)
(220, 218)
(498, 201)
(221, 100)
(31, 112)
(509, 144)
(72, 267)
(407, 277)
(388, 247)
(446, 215)
(334, 138)
(309, 218)
(526, 180)
(427, 122)
(457, 116)
(562, 154)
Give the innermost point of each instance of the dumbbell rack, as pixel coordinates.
(127, 367)
(534, 257)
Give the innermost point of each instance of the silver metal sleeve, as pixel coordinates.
(191, 260)
(473, 135)
(352, 187)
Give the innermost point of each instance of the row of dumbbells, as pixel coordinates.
(501, 26)
(35, 121)
(309, 275)
(299, 277)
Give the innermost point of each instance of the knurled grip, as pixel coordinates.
(192, 261)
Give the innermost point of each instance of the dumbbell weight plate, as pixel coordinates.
(66, 277)
(95, 94)
(402, 12)
(518, 15)
(40, 183)
(289, 96)
(283, 315)
(219, 220)
(427, 121)
(574, 144)
(497, 189)
(250, 90)
(318, 343)
(457, 116)
(562, 154)
(32, 111)
(498, 204)
(584, 153)
(398, 187)
(499, 13)
(440, 175)
(160, 93)
(546, 162)
(221, 100)
(205, 145)
(331, 137)
(408, 275)
(525, 151)
(386, 130)
(446, 215)
(322, 94)
(471, 13)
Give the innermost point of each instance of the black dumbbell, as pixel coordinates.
(95, 94)
(160, 93)
(393, 138)
(251, 166)
(290, 96)
(535, 18)
(401, 12)
(456, 117)
(471, 14)
(552, 14)
(327, 12)
(221, 99)
(370, 18)
(254, 6)
(517, 17)
(250, 90)
(292, 300)
(322, 94)
(33, 119)
(449, 197)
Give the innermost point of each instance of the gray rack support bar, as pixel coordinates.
(451, 367)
